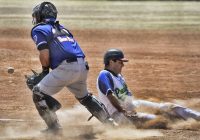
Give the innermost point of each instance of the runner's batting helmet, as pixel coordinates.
(114, 54)
(45, 10)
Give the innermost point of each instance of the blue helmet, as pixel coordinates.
(114, 54)
(45, 10)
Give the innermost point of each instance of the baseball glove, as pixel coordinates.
(32, 80)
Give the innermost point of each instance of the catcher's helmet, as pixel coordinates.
(45, 10)
(114, 54)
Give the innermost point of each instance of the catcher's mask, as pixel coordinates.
(114, 54)
(45, 10)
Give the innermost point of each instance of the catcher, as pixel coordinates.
(119, 101)
(59, 51)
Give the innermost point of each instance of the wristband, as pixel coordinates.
(45, 69)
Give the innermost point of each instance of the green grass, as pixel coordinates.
(108, 14)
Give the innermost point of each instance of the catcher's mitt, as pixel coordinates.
(32, 80)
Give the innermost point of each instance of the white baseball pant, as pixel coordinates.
(170, 108)
(71, 75)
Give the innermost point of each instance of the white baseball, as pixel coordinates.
(11, 70)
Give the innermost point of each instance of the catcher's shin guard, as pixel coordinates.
(46, 109)
(97, 109)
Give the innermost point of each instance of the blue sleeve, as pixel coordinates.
(41, 34)
(105, 82)
(39, 38)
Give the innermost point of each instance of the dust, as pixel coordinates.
(17, 130)
(75, 115)
(128, 133)
(158, 123)
(75, 126)
(76, 120)
(186, 125)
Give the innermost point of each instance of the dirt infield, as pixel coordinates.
(164, 66)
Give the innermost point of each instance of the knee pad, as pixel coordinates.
(46, 106)
(96, 108)
(44, 101)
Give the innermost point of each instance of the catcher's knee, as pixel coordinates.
(44, 101)
(96, 108)
(40, 102)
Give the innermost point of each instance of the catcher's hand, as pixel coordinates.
(32, 80)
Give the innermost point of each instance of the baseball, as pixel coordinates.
(11, 70)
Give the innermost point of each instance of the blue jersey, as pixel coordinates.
(60, 41)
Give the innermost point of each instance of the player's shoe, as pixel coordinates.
(57, 129)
